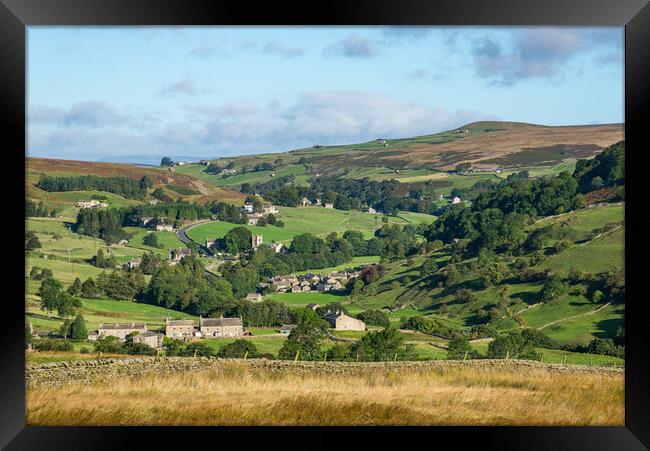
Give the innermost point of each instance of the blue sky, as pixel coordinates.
(98, 93)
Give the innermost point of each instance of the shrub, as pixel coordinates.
(51, 344)
(238, 349)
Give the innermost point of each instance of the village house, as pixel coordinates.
(329, 284)
(164, 227)
(276, 247)
(93, 336)
(209, 243)
(310, 278)
(254, 297)
(253, 218)
(229, 171)
(153, 201)
(287, 328)
(296, 289)
(120, 330)
(370, 210)
(248, 208)
(305, 202)
(329, 205)
(151, 339)
(284, 283)
(145, 220)
(134, 263)
(221, 327)
(455, 200)
(270, 209)
(179, 328)
(341, 321)
(256, 241)
(176, 255)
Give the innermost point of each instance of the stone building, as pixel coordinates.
(164, 227)
(256, 241)
(287, 328)
(120, 330)
(270, 209)
(253, 218)
(176, 255)
(341, 321)
(151, 339)
(221, 327)
(254, 297)
(179, 328)
(329, 205)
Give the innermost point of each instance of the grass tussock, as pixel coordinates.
(235, 395)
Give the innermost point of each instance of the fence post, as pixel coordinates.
(195, 353)
(465, 356)
(541, 357)
(100, 355)
(357, 356)
(507, 354)
(245, 355)
(297, 354)
(395, 360)
(325, 357)
(563, 359)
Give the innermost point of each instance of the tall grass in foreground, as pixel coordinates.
(234, 395)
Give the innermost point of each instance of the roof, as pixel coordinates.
(123, 326)
(288, 327)
(149, 334)
(179, 322)
(221, 322)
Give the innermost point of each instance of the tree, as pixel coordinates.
(78, 329)
(166, 161)
(31, 241)
(458, 348)
(238, 349)
(49, 292)
(75, 288)
(378, 346)
(151, 239)
(35, 273)
(553, 288)
(305, 339)
(374, 317)
(66, 305)
(89, 289)
(429, 267)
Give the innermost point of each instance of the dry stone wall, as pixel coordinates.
(90, 371)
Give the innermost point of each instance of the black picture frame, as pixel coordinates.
(634, 15)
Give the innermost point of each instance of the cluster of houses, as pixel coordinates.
(185, 329)
(92, 203)
(334, 281)
(254, 217)
(157, 224)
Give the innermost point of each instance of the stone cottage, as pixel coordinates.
(221, 327)
(341, 321)
(151, 339)
(120, 330)
(179, 328)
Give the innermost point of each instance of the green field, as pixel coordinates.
(315, 220)
(168, 240)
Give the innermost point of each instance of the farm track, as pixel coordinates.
(591, 312)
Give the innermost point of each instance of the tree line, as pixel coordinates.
(128, 187)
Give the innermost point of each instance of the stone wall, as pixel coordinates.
(88, 371)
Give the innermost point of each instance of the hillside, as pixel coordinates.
(484, 144)
(171, 182)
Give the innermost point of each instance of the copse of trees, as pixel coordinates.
(33, 210)
(31, 241)
(604, 170)
(128, 187)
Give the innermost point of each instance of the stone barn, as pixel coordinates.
(120, 330)
(341, 321)
(151, 339)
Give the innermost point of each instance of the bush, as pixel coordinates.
(374, 317)
(51, 344)
(238, 349)
(459, 347)
(84, 350)
(514, 346)
(198, 349)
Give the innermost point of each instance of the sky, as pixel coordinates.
(139, 93)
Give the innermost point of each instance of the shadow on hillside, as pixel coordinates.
(528, 297)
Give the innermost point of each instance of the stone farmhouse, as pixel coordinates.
(370, 210)
(254, 297)
(151, 339)
(253, 218)
(256, 241)
(278, 248)
(329, 284)
(287, 328)
(336, 280)
(176, 255)
(164, 227)
(120, 330)
(179, 328)
(329, 205)
(455, 200)
(341, 321)
(221, 327)
(133, 263)
(270, 209)
(248, 208)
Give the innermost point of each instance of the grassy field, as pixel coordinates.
(318, 221)
(355, 262)
(233, 394)
(168, 240)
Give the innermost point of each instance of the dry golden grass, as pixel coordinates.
(235, 395)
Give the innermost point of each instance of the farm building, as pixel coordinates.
(256, 241)
(270, 209)
(176, 255)
(221, 327)
(134, 263)
(120, 330)
(305, 202)
(145, 220)
(179, 328)
(329, 285)
(312, 306)
(276, 247)
(253, 218)
(341, 321)
(248, 208)
(370, 210)
(151, 339)
(329, 205)
(455, 200)
(92, 203)
(287, 328)
(254, 297)
(164, 227)
(209, 243)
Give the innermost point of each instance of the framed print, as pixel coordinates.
(403, 214)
